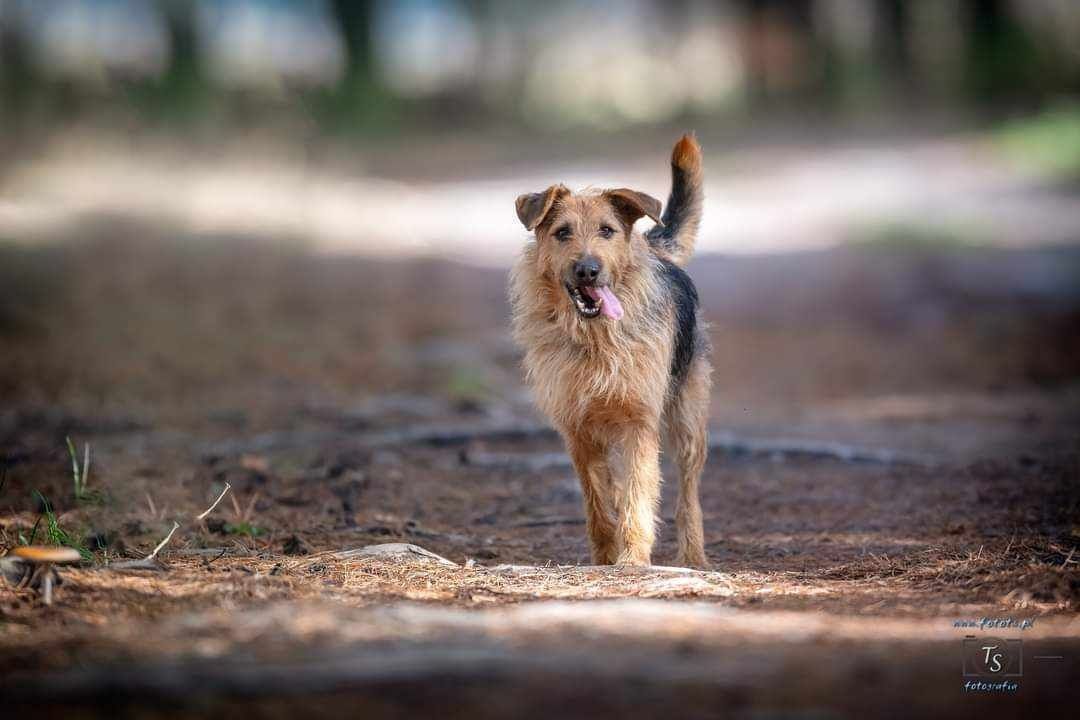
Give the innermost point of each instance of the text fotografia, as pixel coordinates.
(993, 657)
(999, 623)
(1005, 686)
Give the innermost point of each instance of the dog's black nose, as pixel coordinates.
(586, 269)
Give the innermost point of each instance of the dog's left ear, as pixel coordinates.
(631, 204)
(532, 208)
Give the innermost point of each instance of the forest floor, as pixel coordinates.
(896, 450)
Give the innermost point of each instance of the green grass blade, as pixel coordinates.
(74, 465)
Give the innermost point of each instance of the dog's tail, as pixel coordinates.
(676, 236)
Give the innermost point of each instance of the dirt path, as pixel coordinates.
(877, 475)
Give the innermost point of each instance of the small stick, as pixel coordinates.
(223, 550)
(135, 565)
(211, 508)
(164, 542)
(176, 525)
(85, 464)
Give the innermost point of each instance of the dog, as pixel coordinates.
(616, 351)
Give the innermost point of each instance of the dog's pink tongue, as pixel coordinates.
(610, 306)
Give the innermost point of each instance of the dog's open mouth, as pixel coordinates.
(591, 300)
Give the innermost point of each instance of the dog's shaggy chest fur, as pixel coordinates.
(615, 350)
(580, 369)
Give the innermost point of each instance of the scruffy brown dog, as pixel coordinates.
(616, 352)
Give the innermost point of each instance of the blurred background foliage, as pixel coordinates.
(390, 66)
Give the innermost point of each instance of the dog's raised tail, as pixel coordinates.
(675, 238)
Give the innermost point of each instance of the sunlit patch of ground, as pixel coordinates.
(786, 198)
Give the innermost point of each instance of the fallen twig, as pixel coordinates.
(443, 435)
(210, 509)
(176, 525)
(207, 552)
(832, 450)
(438, 435)
(163, 543)
(143, 564)
(217, 557)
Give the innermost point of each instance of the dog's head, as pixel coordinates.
(584, 241)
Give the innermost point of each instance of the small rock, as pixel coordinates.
(14, 570)
(662, 587)
(404, 551)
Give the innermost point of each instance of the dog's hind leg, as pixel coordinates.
(688, 434)
(591, 462)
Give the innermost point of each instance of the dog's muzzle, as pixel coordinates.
(587, 306)
(592, 300)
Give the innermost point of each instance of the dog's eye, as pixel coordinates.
(606, 231)
(563, 233)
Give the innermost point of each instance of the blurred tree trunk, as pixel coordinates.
(892, 47)
(777, 44)
(16, 71)
(354, 19)
(183, 84)
(1003, 63)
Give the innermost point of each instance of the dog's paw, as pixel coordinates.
(697, 562)
(633, 559)
(604, 556)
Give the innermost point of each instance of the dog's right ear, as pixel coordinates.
(532, 208)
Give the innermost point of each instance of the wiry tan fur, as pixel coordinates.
(607, 384)
(688, 177)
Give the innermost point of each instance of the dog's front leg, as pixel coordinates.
(640, 498)
(591, 462)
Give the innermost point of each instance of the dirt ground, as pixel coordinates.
(896, 448)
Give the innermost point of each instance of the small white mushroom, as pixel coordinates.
(41, 559)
